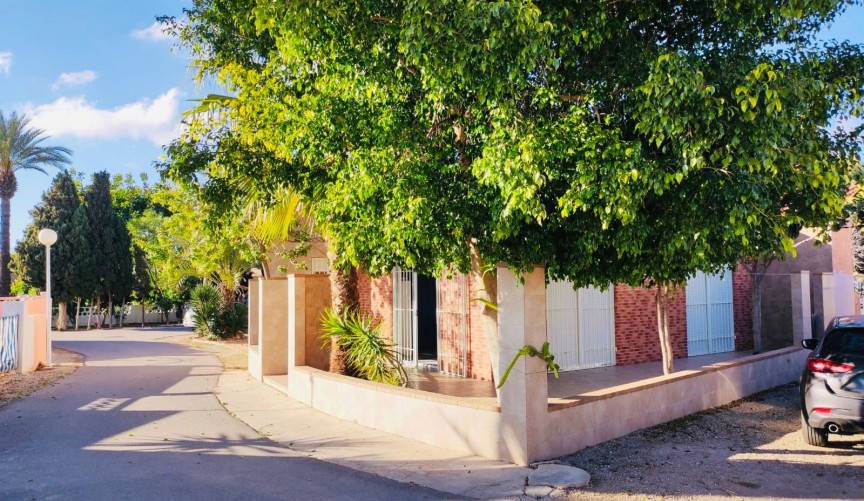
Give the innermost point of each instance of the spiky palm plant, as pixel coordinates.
(21, 148)
(368, 355)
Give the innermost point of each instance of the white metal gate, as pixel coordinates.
(405, 316)
(580, 326)
(710, 327)
(452, 316)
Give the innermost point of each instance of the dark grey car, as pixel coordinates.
(832, 384)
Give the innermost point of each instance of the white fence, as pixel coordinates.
(131, 316)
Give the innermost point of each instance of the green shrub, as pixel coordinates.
(208, 308)
(231, 321)
(369, 355)
(213, 319)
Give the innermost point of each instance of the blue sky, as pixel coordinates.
(100, 79)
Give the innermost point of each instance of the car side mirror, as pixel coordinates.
(810, 344)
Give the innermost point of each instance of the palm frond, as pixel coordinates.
(21, 147)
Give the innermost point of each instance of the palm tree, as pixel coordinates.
(275, 221)
(20, 148)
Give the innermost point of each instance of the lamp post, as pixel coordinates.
(48, 237)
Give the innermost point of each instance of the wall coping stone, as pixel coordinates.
(557, 404)
(468, 402)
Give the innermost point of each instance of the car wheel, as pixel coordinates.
(813, 436)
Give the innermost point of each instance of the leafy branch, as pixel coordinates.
(530, 351)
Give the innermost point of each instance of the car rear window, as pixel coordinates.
(846, 341)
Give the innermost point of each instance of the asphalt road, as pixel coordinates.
(139, 422)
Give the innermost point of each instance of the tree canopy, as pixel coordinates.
(56, 211)
(624, 142)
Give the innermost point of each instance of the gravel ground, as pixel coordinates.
(14, 385)
(750, 449)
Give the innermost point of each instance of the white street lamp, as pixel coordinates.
(48, 237)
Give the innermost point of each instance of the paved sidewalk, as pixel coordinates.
(282, 419)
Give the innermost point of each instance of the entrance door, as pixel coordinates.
(415, 331)
(405, 316)
(710, 327)
(580, 326)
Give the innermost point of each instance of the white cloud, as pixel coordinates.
(5, 62)
(75, 78)
(156, 120)
(152, 33)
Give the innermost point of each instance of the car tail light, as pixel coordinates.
(822, 410)
(823, 365)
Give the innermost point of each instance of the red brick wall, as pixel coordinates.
(636, 338)
(742, 293)
(376, 301)
(364, 285)
(479, 363)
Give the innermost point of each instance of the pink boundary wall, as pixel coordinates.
(32, 329)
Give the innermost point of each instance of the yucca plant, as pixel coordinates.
(208, 306)
(232, 321)
(369, 355)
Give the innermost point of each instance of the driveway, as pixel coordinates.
(139, 421)
(752, 449)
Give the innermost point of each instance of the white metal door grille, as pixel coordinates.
(580, 326)
(710, 327)
(596, 327)
(562, 323)
(452, 315)
(405, 316)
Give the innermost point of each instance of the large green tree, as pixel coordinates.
(111, 243)
(21, 148)
(56, 211)
(83, 260)
(615, 142)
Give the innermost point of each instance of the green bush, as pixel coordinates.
(231, 321)
(369, 355)
(19, 288)
(208, 308)
(213, 319)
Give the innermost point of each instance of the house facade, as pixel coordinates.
(439, 322)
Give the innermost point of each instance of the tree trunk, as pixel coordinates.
(110, 312)
(265, 265)
(90, 315)
(488, 296)
(62, 317)
(662, 302)
(5, 214)
(77, 311)
(122, 312)
(99, 319)
(142, 313)
(343, 298)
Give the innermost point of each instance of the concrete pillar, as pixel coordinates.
(829, 298)
(838, 295)
(524, 396)
(296, 321)
(273, 326)
(801, 326)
